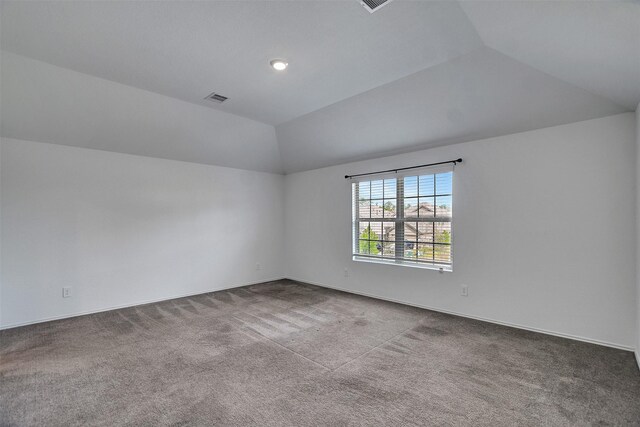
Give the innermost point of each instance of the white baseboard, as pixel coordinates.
(117, 307)
(484, 319)
(370, 295)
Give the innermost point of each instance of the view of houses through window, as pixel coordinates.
(404, 219)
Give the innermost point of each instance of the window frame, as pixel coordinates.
(401, 220)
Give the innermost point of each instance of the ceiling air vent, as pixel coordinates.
(216, 97)
(373, 5)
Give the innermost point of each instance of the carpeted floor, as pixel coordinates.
(287, 354)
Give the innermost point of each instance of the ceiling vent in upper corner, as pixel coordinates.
(216, 97)
(373, 5)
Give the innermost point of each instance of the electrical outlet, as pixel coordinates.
(464, 290)
(346, 272)
(66, 292)
(258, 267)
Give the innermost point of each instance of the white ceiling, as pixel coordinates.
(478, 95)
(592, 44)
(414, 74)
(44, 103)
(187, 50)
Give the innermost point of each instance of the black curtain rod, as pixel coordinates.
(404, 169)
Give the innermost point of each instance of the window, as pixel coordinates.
(404, 219)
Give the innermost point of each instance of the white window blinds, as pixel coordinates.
(404, 218)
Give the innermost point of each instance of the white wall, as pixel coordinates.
(1, 280)
(638, 234)
(123, 229)
(542, 237)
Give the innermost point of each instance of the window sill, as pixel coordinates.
(436, 267)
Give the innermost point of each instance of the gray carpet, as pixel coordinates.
(287, 354)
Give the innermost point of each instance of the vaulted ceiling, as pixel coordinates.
(412, 75)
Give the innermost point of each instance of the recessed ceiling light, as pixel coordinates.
(279, 64)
